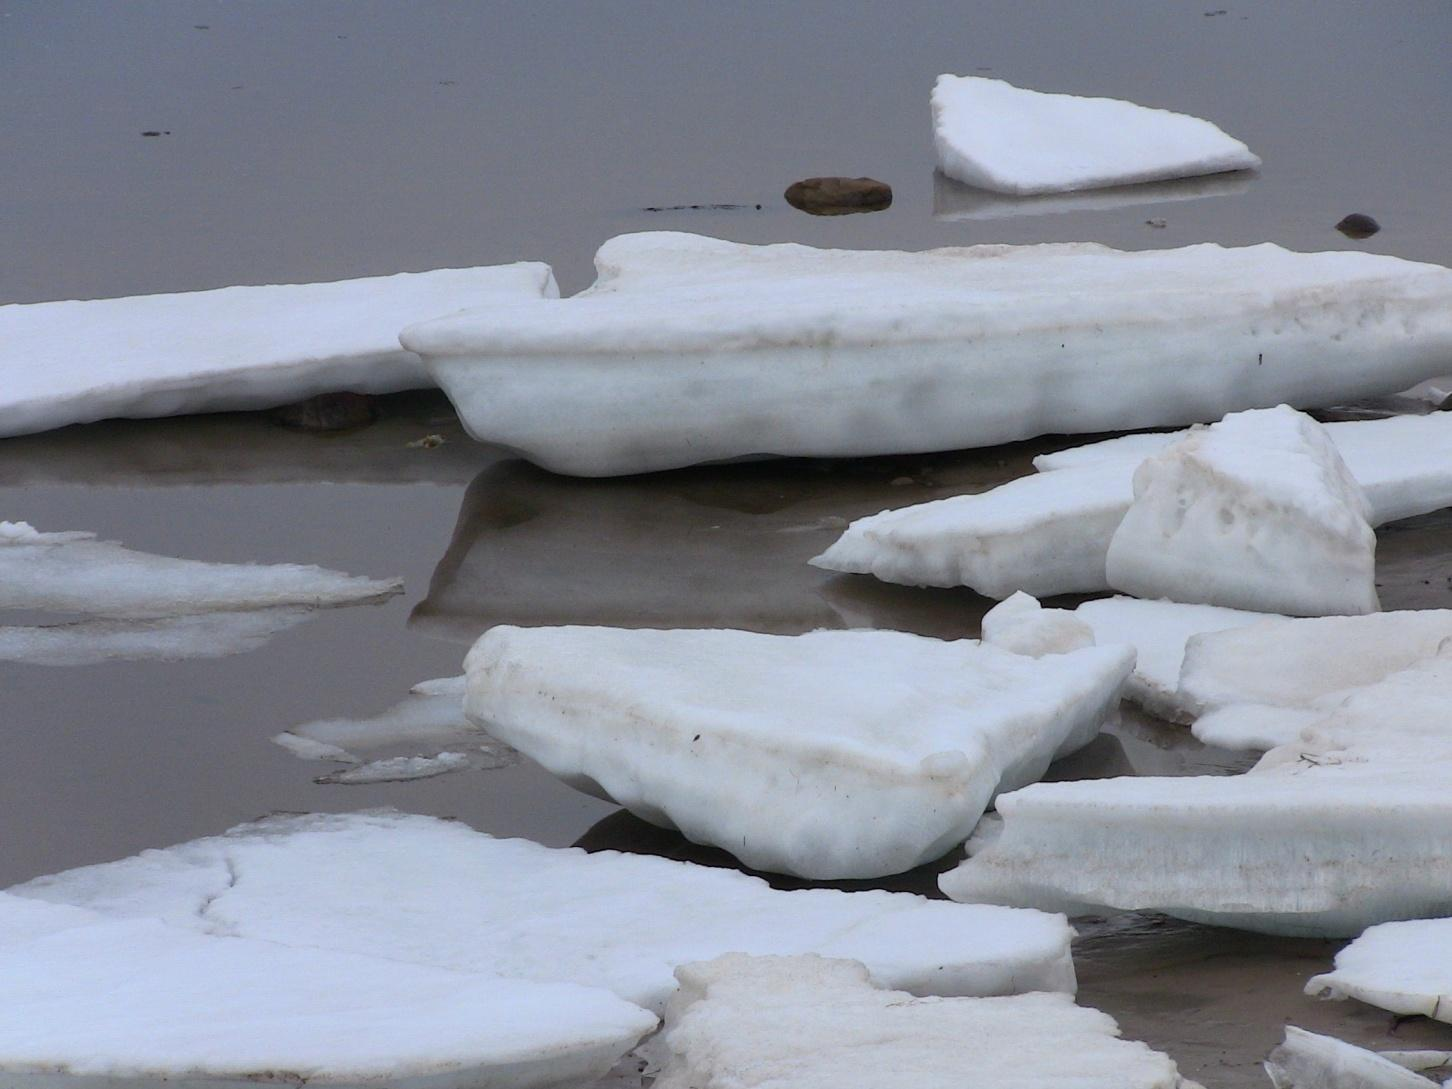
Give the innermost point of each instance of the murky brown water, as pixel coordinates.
(339, 139)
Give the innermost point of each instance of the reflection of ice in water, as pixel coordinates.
(86, 642)
(952, 200)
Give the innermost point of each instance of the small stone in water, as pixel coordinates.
(328, 412)
(839, 196)
(428, 442)
(1357, 225)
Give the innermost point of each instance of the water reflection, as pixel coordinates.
(952, 200)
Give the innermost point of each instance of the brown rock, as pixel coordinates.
(839, 196)
(328, 412)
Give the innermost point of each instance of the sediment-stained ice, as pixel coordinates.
(741, 1022)
(1404, 967)
(202, 635)
(105, 1001)
(232, 348)
(1308, 1060)
(1021, 625)
(1348, 826)
(993, 135)
(75, 572)
(691, 349)
(826, 755)
(1256, 512)
(426, 891)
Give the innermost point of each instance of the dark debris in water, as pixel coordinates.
(701, 208)
(1357, 225)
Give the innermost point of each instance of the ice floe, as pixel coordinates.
(232, 348)
(741, 1022)
(1308, 1060)
(993, 135)
(426, 891)
(1404, 967)
(1255, 512)
(75, 572)
(825, 755)
(91, 1000)
(691, 349)
(1347, 826)
(172, 638)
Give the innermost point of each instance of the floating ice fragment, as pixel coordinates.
(1404, 967)
(102, 1001)
(1256, 512)
(826, 755)
(74, 572)
(690, 349)
(741, 1022)
(1308, 1060)
(205, 635)
(425, 891)
(1008, 139)
(232, 348)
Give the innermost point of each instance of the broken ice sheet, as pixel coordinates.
(433, 892)
(75, 572)
(94, 1000)
(173, 638)
(1308, 1060)
(1404, 967)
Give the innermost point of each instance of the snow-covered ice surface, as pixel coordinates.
(232, 348)
(1308, 1060)
(1052, 537)
(741, 1022)
(1349, 826)
(1021, 625)
(173, 638)
(691, 349)
(1404, 967)
(826, 755)
(993, 135)
(74, 572)
(91, 1000)
(429, 723)
(1256, 512)
(427, 891)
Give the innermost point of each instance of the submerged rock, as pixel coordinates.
(839, 196)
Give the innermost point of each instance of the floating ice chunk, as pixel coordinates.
(690, 349)
(1346, 828)
(112, 1001)
(1404, 967)
(74, 572)
(434, 892)
(1310, 1061)
(233, 348)
(429, 724)
(205, 635)
(741, 1022)
(825, 755)
(1255, 512)
(1158, 631)
(1021, 625)
(1008, 139)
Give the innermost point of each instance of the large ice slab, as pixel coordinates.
(232, 348)
(1052, 537)
(1308, 1060)
(993, 135)
(742, 1022)
(427, 891)
(1404, 967)
(96, 1001)
(825, 755)
(75, 572)
(1255, 512)
(1349, 826)
(690, 349)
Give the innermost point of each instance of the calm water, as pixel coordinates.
(329, 140)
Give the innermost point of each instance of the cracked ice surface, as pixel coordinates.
(1349, 826)
(742, 1022)
(1404, 967)
(993, 135)
(232, 348)
(89, 998)
(433, 892)
(690, 349)
(74, 572)
(826, 755)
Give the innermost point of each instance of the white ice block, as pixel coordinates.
(75, 572)
(827, 755)
(1257, 512)
(1404, 967)
(993, 135)
(1308, 1060)
(232, 348)
(691, 349)
(1021, 625)
(91, 1001)
(742, 1022)
(426, 891)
